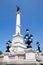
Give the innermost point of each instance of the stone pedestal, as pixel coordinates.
(17, 44)
(30, 54)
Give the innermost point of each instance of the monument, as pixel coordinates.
(17, 53)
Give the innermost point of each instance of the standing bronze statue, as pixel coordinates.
(18, 9)
(38, 46)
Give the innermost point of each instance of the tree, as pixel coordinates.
(1, 52)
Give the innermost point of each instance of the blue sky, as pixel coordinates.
(31, 18)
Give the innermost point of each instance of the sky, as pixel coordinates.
(31, 18)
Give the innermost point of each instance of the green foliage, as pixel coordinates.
(0, 52)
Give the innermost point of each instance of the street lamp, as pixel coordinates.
(8, 46)
(28, 39)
